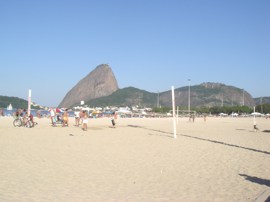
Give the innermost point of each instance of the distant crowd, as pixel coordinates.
(58, 117)
(81, 118)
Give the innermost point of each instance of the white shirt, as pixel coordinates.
(77, 113)
(52, 112)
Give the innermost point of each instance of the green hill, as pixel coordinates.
(126, 97)
(206, 94)
(15, 102)
(214, 94)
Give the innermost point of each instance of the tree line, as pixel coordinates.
(264, 108)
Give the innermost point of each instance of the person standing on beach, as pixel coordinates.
(18, 113)
(38, 114)
(114, 116)
(81, 115)
(77, 117)
(193, 118)
(204, 117)
(52, 114)
(24, 116)
(65, 119)
(85, 120)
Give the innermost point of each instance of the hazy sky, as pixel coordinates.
(48, 46)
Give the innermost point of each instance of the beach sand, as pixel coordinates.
(221, 159)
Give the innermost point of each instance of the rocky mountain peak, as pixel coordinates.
(98, 83)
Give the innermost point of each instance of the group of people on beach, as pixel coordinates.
(81, 118)
(23, 113)
(57, 118)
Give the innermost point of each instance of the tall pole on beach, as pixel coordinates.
(243, 97)
(173, 109)
(188, 96)
(29, 102)
(177, 113)
(158, 99)
(254, 120)
(222, 100)
(261, 106)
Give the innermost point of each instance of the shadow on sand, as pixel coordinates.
(164, 134)
(169, 134)
(256, 180)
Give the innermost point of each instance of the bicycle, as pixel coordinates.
(29, 123)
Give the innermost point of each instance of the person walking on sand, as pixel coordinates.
(113, 121)
(114, 116)
(77, 117)
(255, 127)
(85, 121)
(204, 117)
(65, 119)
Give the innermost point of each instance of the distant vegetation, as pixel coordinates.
(125, 97)
(216, 110)
(206, 94)
(131, 96)
(264, 108)
(15, 102)
(230, 110)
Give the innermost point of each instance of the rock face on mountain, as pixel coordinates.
(98, 83)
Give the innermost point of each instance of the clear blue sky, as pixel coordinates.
(48, 46)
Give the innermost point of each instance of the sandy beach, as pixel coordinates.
(221, 159)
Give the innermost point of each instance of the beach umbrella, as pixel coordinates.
(256, 114)
(58, 110)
